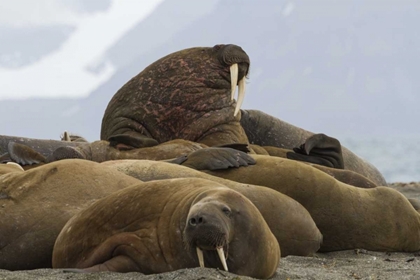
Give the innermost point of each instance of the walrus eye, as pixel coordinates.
(226, 210)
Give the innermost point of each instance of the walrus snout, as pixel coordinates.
(208, 228)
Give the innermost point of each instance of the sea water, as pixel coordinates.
(397, 157)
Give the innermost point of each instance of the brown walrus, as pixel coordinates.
(36, 204)
(289, 221)
(380, 218)
(187, 94)
(166, 225)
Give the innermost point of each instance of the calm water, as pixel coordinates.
(397, 157)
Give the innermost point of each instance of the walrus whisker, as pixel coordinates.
(233, 79)
(241, 95)
(200, 256)
(222, 257)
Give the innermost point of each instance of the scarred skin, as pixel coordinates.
(184, 95)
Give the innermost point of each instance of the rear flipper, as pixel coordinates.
(65, 153)
(121, 252)
(23, 154)
(319, 149)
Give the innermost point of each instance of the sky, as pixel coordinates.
(76, 67)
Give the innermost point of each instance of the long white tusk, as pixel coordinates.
(200, 257)
(241, 95)
(66, 137)
(222, 257)
(233, 79)
(18, 165)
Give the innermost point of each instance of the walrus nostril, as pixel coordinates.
(196, 221)
(192, 222)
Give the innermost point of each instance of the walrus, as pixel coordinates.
(36, 204)
(34, 152)
(166, 225)
(288, 220)
(265, 130)
(30, 151)
(377, 219)
(188, 94)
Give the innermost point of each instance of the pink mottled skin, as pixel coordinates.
(183, 95)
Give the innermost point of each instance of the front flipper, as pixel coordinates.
(319, 149)
(215, 158)
(24, 155)
(129, 142)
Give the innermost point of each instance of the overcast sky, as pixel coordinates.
(76, 67)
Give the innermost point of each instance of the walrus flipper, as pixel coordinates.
(5, 158)
(215, 158)
(24, 155)
(319, 149)
(65, 153)
(129, 142)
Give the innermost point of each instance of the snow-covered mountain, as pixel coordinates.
(347, 67)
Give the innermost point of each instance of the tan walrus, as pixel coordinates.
(167, 225)
(380, 218)
(348, 217)
(289, 221)
(36, 204)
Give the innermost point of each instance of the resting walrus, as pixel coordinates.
(289, 221)
(36, 204)
(167, 225)
(374, 219)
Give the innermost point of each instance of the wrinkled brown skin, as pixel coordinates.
(265, 130)
(141, 228)
(289, 221)
(36, 204)
(183, 95)
(378, 219)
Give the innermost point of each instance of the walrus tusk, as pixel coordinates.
(16, 164)
(241, 95)
(222, 257)
(66, 137)
(200, 257)
(233, 79)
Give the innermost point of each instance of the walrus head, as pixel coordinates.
(183, 95)
(225, 229)
(208, 228)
